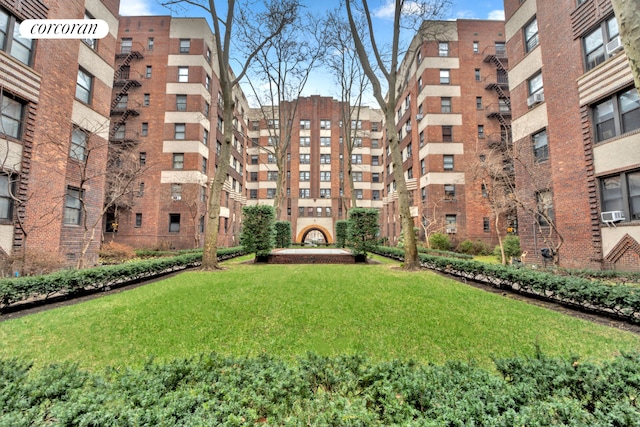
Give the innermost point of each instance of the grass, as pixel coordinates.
(289, 310)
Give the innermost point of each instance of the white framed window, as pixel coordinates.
(183, 74)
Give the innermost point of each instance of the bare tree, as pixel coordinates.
(280, 74)
(342, 60)
(255, 23)
(628, 16)
(378, 65)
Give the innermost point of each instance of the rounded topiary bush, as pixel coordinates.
(440, 241)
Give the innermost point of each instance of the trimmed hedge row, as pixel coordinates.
(212, 390)
(68, 282)
(619, 300)
(438, 252)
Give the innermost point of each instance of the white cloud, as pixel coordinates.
(135, 7)
(465, 14)
(496, 15)
(387, 10)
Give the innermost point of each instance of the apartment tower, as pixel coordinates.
(576, 117)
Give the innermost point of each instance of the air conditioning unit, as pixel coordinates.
(419, 117)
(614, 45)
(536, 98)
(176, 197)
(408, 128)
(451, 229)
(359, 196)
(612, 216)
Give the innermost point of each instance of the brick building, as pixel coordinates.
(317, 192)
(454, 104)
(55, 115)
(166, 112)
(577, 115)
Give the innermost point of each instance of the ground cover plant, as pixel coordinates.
(286, 311)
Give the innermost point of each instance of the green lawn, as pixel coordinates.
(286, 311)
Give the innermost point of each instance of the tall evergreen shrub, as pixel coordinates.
(258, 235)
(283, 234)
(341, 233)
(362, 230)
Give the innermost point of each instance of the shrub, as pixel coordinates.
(511, 246)
(341, 233)
(258, 234)
(440, 241)
(283, 234)
(466, 247)
(35, 262)
(362, 230)
(115, 253)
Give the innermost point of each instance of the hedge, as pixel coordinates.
(212, 390)
(620, 301)
(68, 282)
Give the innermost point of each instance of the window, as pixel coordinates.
(448, 162)
(253, 194)
(375, 160)
(178, 160)
(423, 167)
(486, 225)
(480, 131)
(84, 86)
(146, 100)
(205, 137)
(11, 113)
(92, 43)
(150, 43)
(419, 57)
(271, 158)
(544, 200)
(10, 40)
(305, 193)
(325, 193)
(476, 73)
(375, 177)
(179, 130)
(272, 175)
(174, 223)
(444, 77)
(6, 201)
(421, 136)
(305, 175)
(181, 102)
(445, 105)
(253, 176)
(476, 47)
(540, 146)
(305, 124)
(185, 45)
(73, 206)
(183, 74)
(325, 141)
(449, 191)
(622, 193)
(138, 220)
(483, 190)
(535, 84)
(141, 189)
(375, 194)
(531, 35)
(325, 124)
(145, 129)
(374, 126)
(410, 173)
(356, 159)
(325, 159)
(447, 133)
(305, 159)
(273, 124)
(207, 82)
(478, 103)
(147, 74)
(204, 165)
(125, 45)
(617, 115)
(358, 193)
(272, 141)
(595, 42)
(443, 49)
(357, 176)
(176, 192)
(254, 159)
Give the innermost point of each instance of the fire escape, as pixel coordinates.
(121, 107)
(502, 111)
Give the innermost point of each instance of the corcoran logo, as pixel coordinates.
(63, 29)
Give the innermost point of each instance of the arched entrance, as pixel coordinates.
(314, 234)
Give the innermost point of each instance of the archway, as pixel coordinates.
(318, 230)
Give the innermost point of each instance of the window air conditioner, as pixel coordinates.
(612, 216)
(419, 117)
(408, 128)
(536, 98)
(451, 229)
(176, 197)
(614, 45)
(359, 196)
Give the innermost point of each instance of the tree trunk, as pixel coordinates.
(628, 15)
(503, 257)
